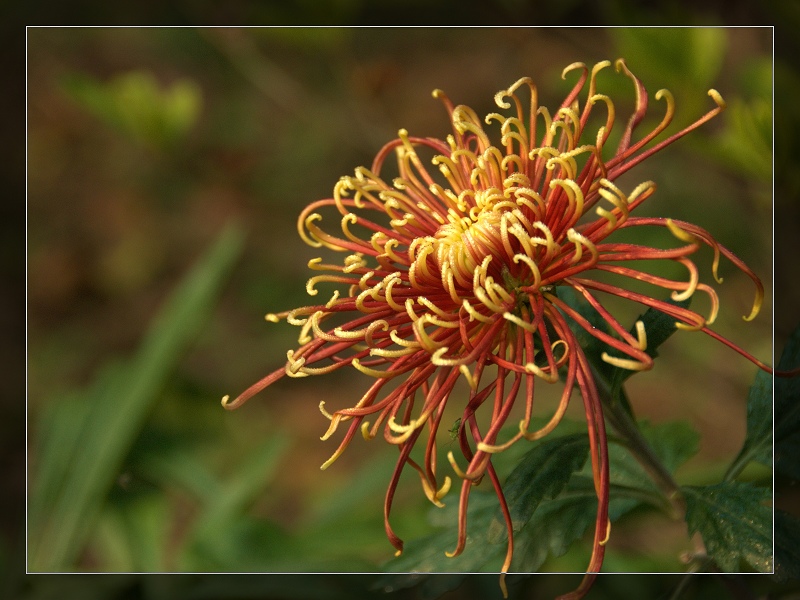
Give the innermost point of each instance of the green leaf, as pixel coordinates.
(427, 554)
(592, 347)
(673, 444)
(558, 523)
(96, 444)
(132, 533)
(223, 511)
(561, 521)
(658, 327)
(735, 523)
(757, 445)
(758, 441)
(542, 473)
(552, 500)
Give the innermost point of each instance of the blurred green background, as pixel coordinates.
(166, 168)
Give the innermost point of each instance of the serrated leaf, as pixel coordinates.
(542, 473)
(563, 520)
(735, 523)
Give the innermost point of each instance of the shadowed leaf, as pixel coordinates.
(735, 523)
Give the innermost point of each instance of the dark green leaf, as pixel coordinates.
(542, 473)
(427, 554)
(658, 327)
(557, 524)
(758, 441)
(735, 523)
(561, 521)
(592, 347)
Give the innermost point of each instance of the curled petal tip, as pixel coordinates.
(690, 326)
(225, 400)
(754, 312)
(604, 541)
(601, 65)
(572, 67)
(717, 97)
(679, 233)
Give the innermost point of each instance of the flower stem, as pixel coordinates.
(633, 439)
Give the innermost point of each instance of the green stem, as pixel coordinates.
(633, 439)
(739, 463)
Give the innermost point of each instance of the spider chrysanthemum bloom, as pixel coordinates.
(451, 273)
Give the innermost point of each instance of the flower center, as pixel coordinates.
(462, 244)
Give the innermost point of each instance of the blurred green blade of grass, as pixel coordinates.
(183, 468)
(132, 536)
(240, 490)
(59, 424)
(92, 449)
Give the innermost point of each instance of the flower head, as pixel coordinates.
(452, 269)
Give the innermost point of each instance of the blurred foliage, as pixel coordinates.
(133, 103)
(85, 438)
(143, 143)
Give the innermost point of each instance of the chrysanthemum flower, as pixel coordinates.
(454, 275)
